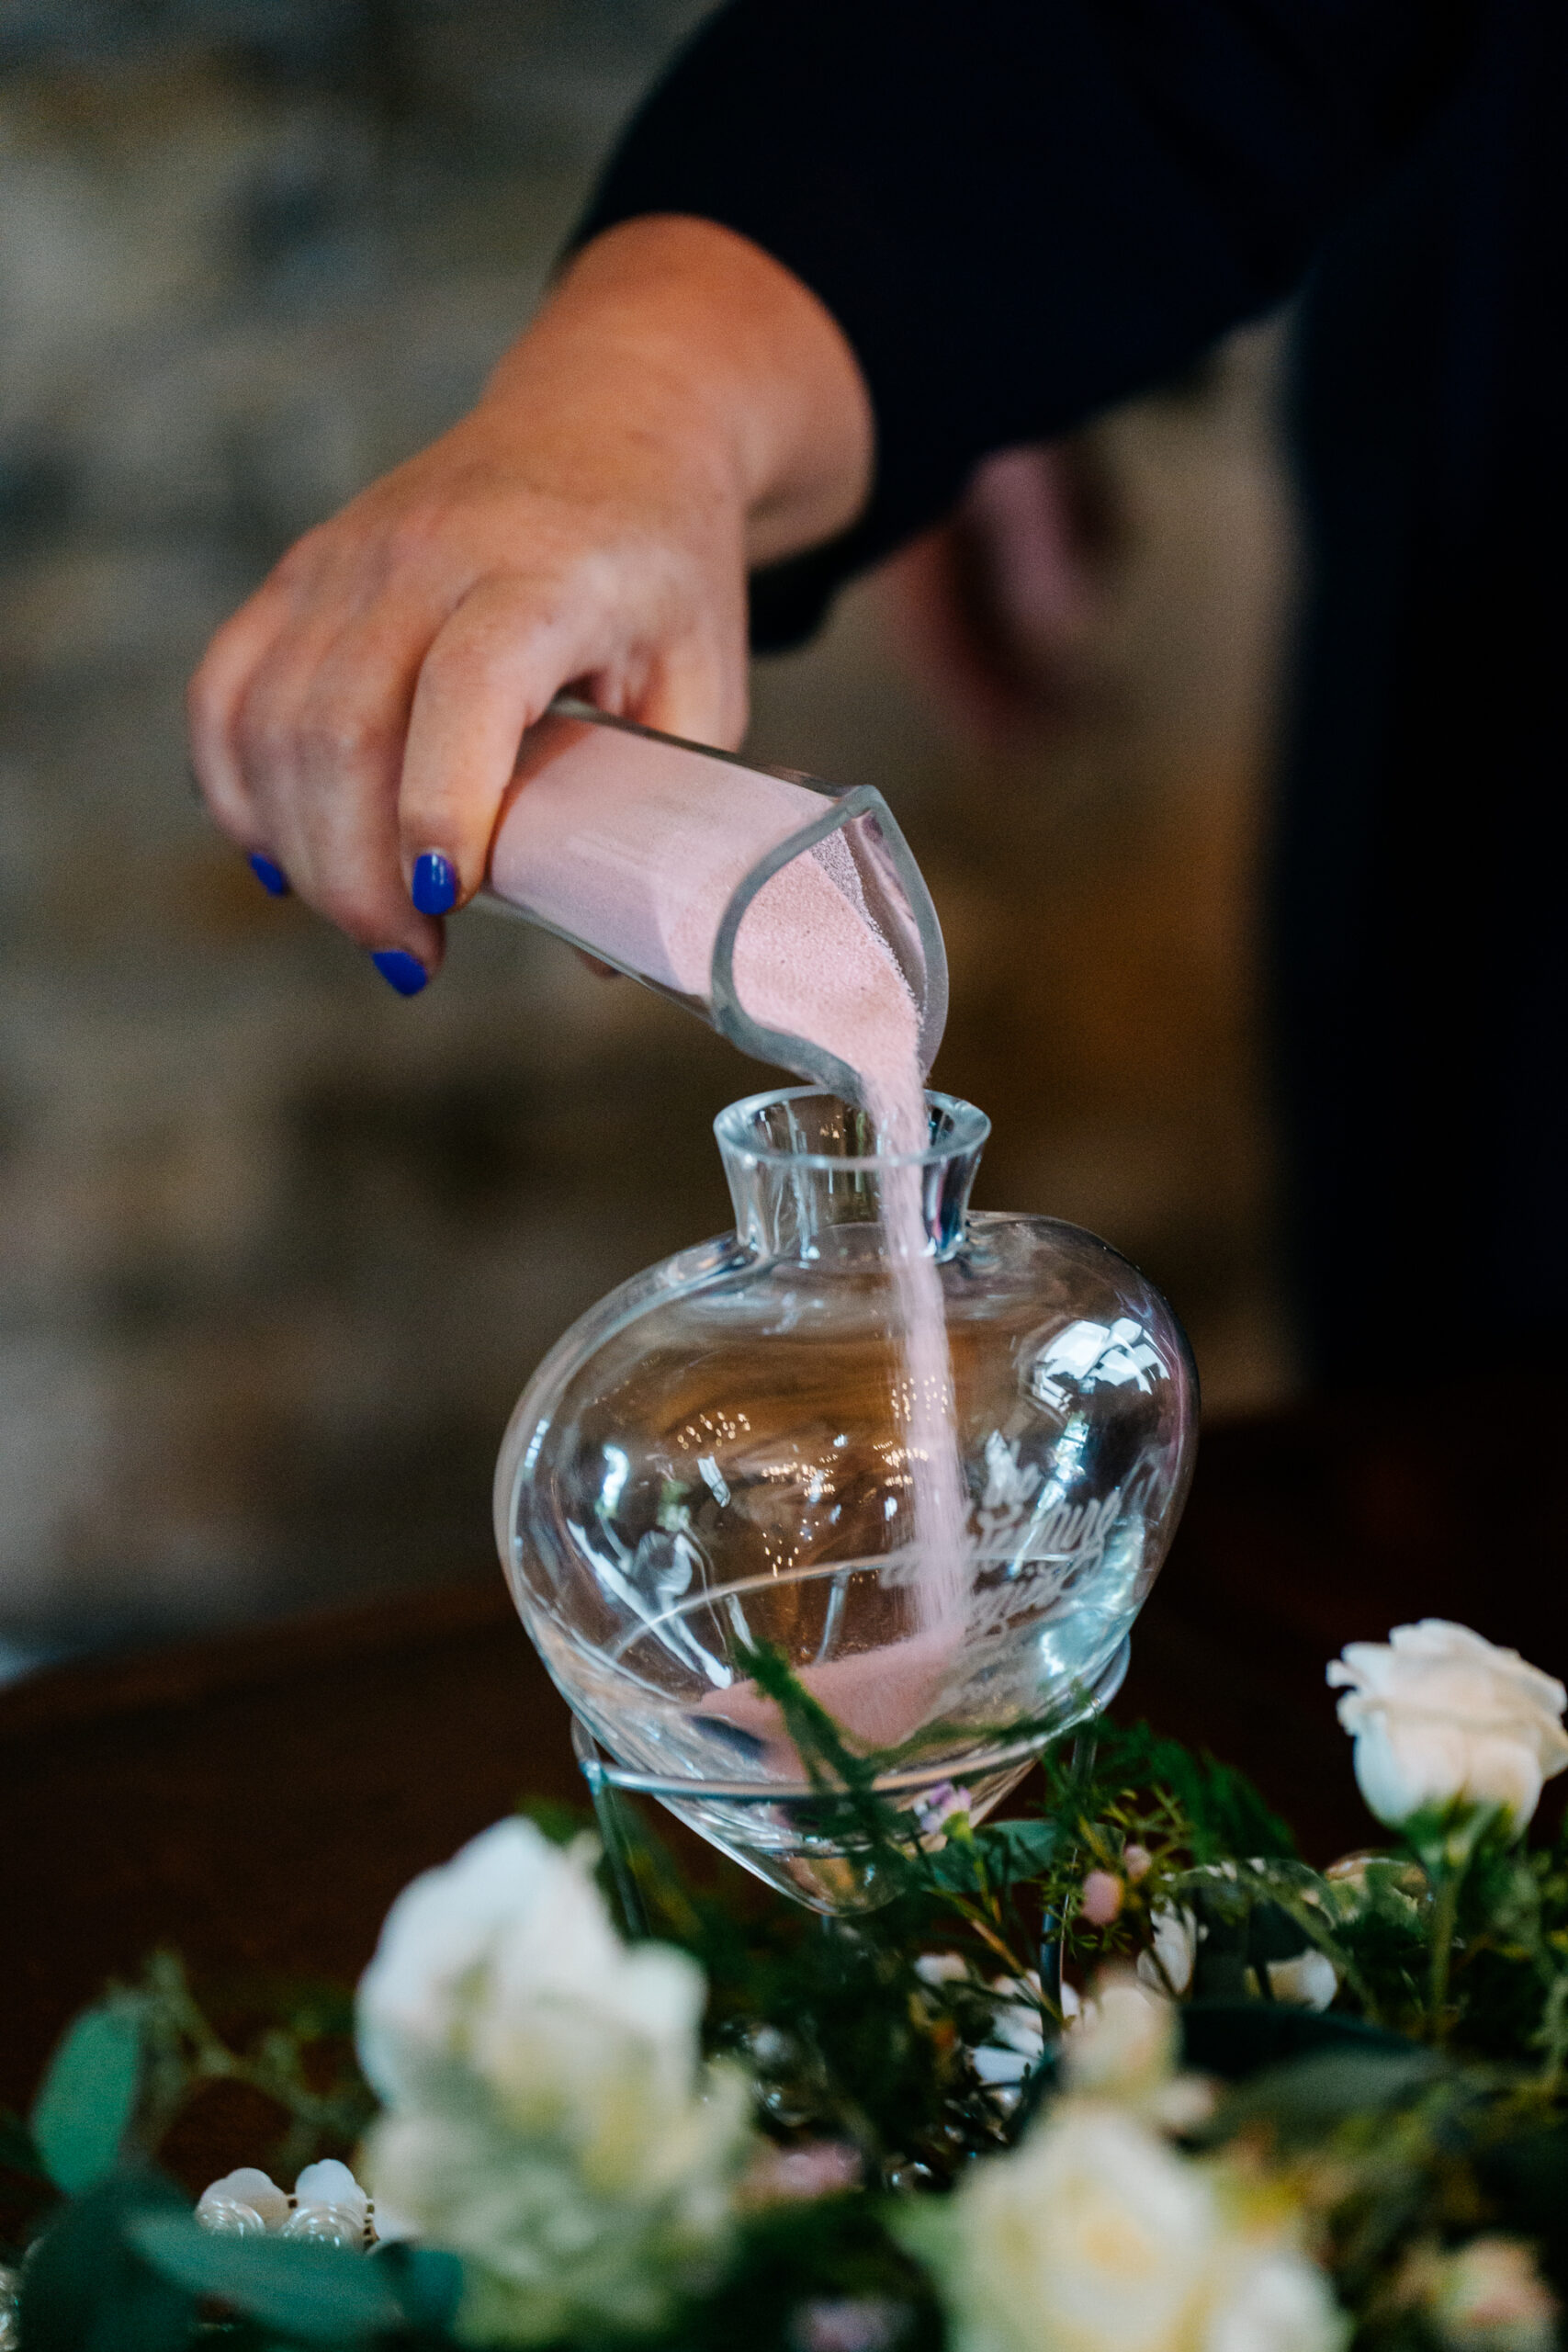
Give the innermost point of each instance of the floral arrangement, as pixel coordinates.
(1125, 2075)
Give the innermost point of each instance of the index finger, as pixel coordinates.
(212, 704)
(490, 674)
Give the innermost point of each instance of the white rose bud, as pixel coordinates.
(1440, 1716)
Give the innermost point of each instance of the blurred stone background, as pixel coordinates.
(277, 1249)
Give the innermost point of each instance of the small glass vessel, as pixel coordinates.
(718, 1457)
(678, 864)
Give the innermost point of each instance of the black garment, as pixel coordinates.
(1419, 947)
(1021, 210)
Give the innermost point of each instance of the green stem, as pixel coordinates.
(1445, 1913)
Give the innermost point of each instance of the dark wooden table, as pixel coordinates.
(257, 1800)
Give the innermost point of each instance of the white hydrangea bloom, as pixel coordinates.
(548, 2115)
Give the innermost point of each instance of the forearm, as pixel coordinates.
(681, 339)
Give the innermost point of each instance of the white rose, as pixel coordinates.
(1439, 1715)
(547, 2115)
(1092, 2236)
(1095, 2235)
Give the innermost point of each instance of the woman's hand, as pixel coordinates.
(683, 408)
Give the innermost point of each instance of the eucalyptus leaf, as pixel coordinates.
(86, 2289)
(427, 2281)
(83, 2109)
(1016, 1850)
(1304, 2096)
(312, 2294)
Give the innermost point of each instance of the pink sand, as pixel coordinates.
(636, 847)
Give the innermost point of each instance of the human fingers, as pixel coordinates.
(213, 700)
(510, 646)
(696, 688)
(322, 733)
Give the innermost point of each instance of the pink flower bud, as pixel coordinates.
(1101, 1898)
(1137, 1862)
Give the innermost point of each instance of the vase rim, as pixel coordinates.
(739, 1130)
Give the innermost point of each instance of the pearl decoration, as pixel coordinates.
(330, 2183)
(325, 2225)
(229, 2218)
(251, 2187)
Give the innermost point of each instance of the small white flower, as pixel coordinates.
(1439, 1715)
(1168, 1968)
(1310, 1981)
(935, 1810)
(1123, 2045)
(936, 1968)
(228, 2217)
(325, 2225)
(1015, 2039)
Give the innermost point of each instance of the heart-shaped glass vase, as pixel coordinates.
(716, 1462)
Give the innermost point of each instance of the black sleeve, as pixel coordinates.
(1022, 210)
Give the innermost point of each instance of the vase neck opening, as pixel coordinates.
(810, 1179)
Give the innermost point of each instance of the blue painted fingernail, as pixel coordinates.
(401, 970)
(272, 878)
(435, 888)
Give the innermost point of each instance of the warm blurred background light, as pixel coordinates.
(277, 1250)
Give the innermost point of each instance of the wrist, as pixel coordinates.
(695, 349)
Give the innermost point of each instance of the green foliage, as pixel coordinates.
(83, 2111)
(19, 2149)
(1223, 1814)
(1427, 2103)
(832, 2250)
(86, 2288)
(998, 1854)
(301, 2060)
(305, 2294)
(562, 1824)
